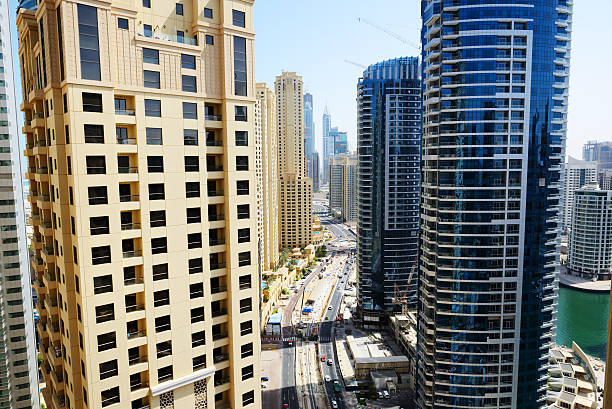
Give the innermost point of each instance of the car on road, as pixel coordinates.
(329, 308)
(380, 395)
(322, 358)
(290, 342)
(265, 379)
(263, 385)
(327, 378)
(334, 404)
(285, 406)
(329, 362)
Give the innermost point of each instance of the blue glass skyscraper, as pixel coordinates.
(308, 132)
(495, 80)
(388, 150)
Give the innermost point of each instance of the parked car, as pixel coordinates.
(334, 404)
(265, 379)
(327, 378)
(329, 362)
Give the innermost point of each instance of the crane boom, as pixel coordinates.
(389, 32)
(355, 63)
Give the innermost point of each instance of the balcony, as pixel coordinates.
(136, 334)
(128, 198)
(217, 266)
(219, 313)
(59, 400)
(128, 169)
(219, 289)
(126, 141)
(135, 360)
(134, 308)
(130, 226)
(219, 336)
(132, 281)
(215, 193)
(128, 112)
(220, 358)
(132, 253)
(216, 242)
(167, 37)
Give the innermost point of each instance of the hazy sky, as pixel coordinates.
(314, 37)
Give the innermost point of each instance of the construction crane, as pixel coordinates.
(401, 296)
(355, 64)
(389, 32)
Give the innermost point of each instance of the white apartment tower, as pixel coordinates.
(578, 173)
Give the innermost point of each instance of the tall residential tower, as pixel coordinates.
(495, 111)
(295, 188)
(18, 360)
(578, 173)
(388, 150)
(140, 117)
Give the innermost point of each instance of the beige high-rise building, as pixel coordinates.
(343, 187)
(141, 116)
(295, 188)
(267, 177)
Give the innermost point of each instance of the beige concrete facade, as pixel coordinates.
(295, 188)
(142, 126)
(268, 211)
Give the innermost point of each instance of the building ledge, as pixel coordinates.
(185, 380)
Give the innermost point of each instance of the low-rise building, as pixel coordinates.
(405, 334)
(573, 380)
(369, 355)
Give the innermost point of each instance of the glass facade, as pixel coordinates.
(388, 149)
(495, 81)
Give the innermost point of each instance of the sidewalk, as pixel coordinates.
(582, 284)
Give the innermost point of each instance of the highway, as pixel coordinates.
(326, 339)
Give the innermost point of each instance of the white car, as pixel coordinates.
(334, 404)
(327, 378)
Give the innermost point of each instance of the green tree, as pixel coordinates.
(321, 251)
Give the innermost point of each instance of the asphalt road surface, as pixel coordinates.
(326, 340)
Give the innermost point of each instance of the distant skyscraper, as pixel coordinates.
(388, 146)
(590, 238)
(343, 187)
(328, 144)
(495, 115)
(18, 355)
(600, 152)
(316, 169)
(340, 142)
(295, 187)
(578, 173)
(309, 130)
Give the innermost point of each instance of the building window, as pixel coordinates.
(157, 218)
(244, 282)
(110, 396)
(242, 187)
(192, 189)
(95, 165)
(247, 372)
(160, 272)
(155, 164)
(164, 349)
(93, 133)
(197, 314)
(192, 164)
(194, 241)
(154, 136)
(244, 235)
(147, 30)
(242, 163)
(199, 362)
(196, 290)
(238, 18)
(240, 113)
(153, 107)
(92, 102)
(88, 42)
(240, 66)
(100, 255)
(98, 225)
(122, 23)
(103, 284)
(244, 259)
(151, 79)
(165, 373)
(195, 266)
(150, 56)
(107, 341)
(189, 83)
(159, 245)
(194, 215)
(243, 211)
(190, 137)
(246, 350)
(108, 369)
(246, 305)
(97, 195)
(180, 36)
(248, 398)
(190, 110)
(179, 9)
(242, 138)
(208, 13)
(162, 323)
(161, 298)
(188, 61)
(246, 328)
(156, 191)
(210, 40)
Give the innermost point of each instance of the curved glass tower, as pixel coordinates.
(495, 77)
